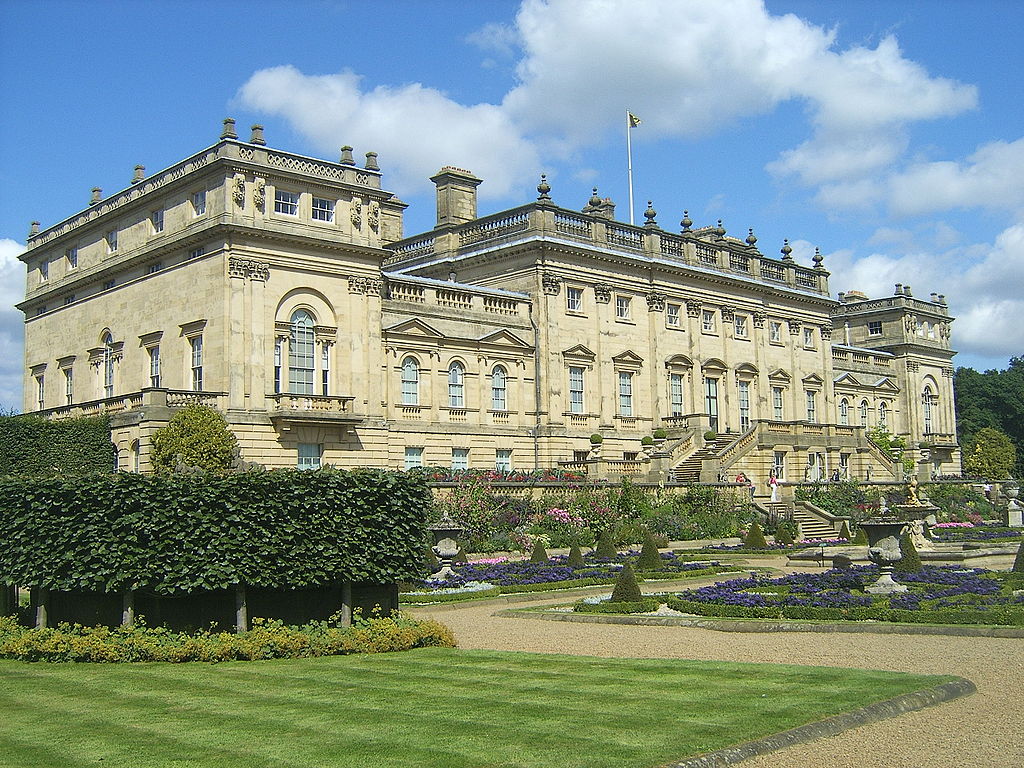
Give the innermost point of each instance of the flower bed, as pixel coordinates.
(512, 576)
(940, 595)
(966, 532)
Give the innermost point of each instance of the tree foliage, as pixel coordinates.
(32, 446)
(184, 533)
(992, 399)
(200, 436)
(990, 454)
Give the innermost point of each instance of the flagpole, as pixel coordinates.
(629, 166)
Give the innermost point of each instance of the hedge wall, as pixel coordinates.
(31, 445)
(177, 534)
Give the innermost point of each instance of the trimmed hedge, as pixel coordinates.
(266, 640)
(180, 534)
(643, 605)
(1001, 615)
(33, 446)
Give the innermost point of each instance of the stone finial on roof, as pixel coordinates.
(817, 258)
(751, 239)
(719, 231)
(651, 215)
(543, 189)
(786, 250)
(228, 131)
(687, 222)
(257, 135)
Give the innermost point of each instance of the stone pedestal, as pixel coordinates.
(884, 551)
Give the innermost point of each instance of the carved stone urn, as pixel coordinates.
(446, 545)
(884, 551)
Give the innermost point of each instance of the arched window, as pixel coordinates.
(844, 412)
(863, 413)
(301, 344)
(456, 385)
(926, 401)
(499, 401)
(108, 365)
(410, 381)
(883, 414)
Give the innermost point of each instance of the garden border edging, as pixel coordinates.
(831, 726)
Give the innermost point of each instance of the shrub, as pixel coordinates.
(626, 589)
(596, 439)
(606, 545)
(911, 561)
(647, 440)
(783, 536)
(660, 434)
(461, 556)
(861, 537)
(710, 435)
(539, 554)
(1018, 562)
(266, 640)
(431, 559)
(843, 499)
(844, 531)
(755, 537)
(199, 436)
(649, 559)
(575, 557)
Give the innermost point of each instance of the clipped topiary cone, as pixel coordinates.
(606, 545)
(539, 555)
(431, 558)
(626, 589)
(844, 531)
(461, 556)
(911, 561)
(649, 559)
(575, 556)
(783, 536)
(755, 538)
(861, 537)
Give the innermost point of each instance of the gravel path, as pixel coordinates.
(984, 730)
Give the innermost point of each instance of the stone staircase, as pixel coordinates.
(812, 527)
(688, 470)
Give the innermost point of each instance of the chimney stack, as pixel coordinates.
(456, 195)
(229, 129)
(139, 175)
(257, 135)
(97, 195)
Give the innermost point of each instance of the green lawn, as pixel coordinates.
(429, 708)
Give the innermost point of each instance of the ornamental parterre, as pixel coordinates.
(522, 572)
(947, 594)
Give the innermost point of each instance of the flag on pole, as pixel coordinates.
(634, 121)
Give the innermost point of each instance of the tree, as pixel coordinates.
(990, 454)
(199, 435)
(992, 399)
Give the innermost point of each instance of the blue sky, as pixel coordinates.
(888, 133)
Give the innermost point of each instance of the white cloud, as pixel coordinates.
(686, 68)
(12, 333)
(415, 129)
(990, 178)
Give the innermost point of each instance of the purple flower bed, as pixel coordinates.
(933, 587)
(519, 572)
(977, 533)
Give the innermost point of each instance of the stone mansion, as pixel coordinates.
(281, 290)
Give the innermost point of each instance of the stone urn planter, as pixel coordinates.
(884, 551)
(446, 545)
